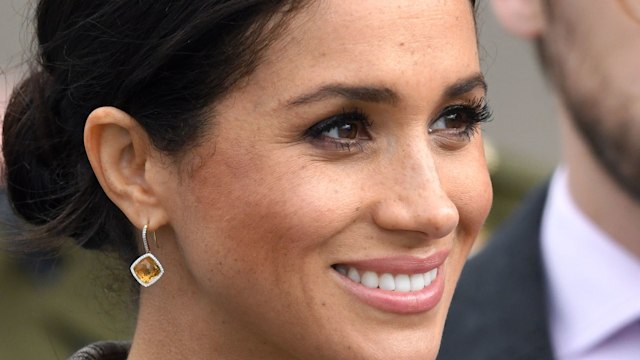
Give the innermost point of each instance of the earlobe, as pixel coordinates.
(523, 18)
(120, 155)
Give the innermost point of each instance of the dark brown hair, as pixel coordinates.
(162, 61)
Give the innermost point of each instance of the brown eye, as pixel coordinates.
(460, 122)
(454, 120)
(346, 126)
(344, 131)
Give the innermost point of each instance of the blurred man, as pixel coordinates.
(561, 279)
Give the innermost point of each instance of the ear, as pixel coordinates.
(124, 160)
(523, 18)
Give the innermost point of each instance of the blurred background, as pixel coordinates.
(51, 306)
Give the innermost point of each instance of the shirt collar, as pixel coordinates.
(594, 284)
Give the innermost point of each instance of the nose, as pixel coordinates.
(413, 197)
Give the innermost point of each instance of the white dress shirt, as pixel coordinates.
(593, 284)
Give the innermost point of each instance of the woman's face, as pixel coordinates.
(350, 153)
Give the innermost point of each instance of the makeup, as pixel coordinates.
(401, 284)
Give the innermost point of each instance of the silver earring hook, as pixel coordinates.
(144, 239)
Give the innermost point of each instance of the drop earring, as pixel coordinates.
(147, 269)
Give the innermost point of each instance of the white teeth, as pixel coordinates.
(417, 282)
(429, 276)
(403, 283)
(387, 281)
(369, 279)
(342, 269)
(353, 275)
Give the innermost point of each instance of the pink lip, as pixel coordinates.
(400, 302)
(401, 264)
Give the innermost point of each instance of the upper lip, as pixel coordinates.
(401, 264)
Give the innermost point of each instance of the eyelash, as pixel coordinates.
(475, 112)
(346, 117)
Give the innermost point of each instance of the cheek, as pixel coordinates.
(271, 215)
(255, 231)
(467, 182)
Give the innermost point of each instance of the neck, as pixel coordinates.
(178, 320)
(597, 194)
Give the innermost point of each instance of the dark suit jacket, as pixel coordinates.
(499, 307)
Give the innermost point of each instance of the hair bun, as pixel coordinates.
(42, 164)
(26, 160)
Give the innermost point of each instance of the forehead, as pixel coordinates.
(374, 41)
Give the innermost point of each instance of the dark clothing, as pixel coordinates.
(104, 350)
(499, 307)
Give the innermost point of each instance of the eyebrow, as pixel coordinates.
(466, 86)
(375, 94)
(356, 93)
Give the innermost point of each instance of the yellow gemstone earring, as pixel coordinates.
(147, 269)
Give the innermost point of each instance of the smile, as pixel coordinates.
(388, 281)
(399, 284)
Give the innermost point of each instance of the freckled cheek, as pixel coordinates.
(469, 188)
(273, 217)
